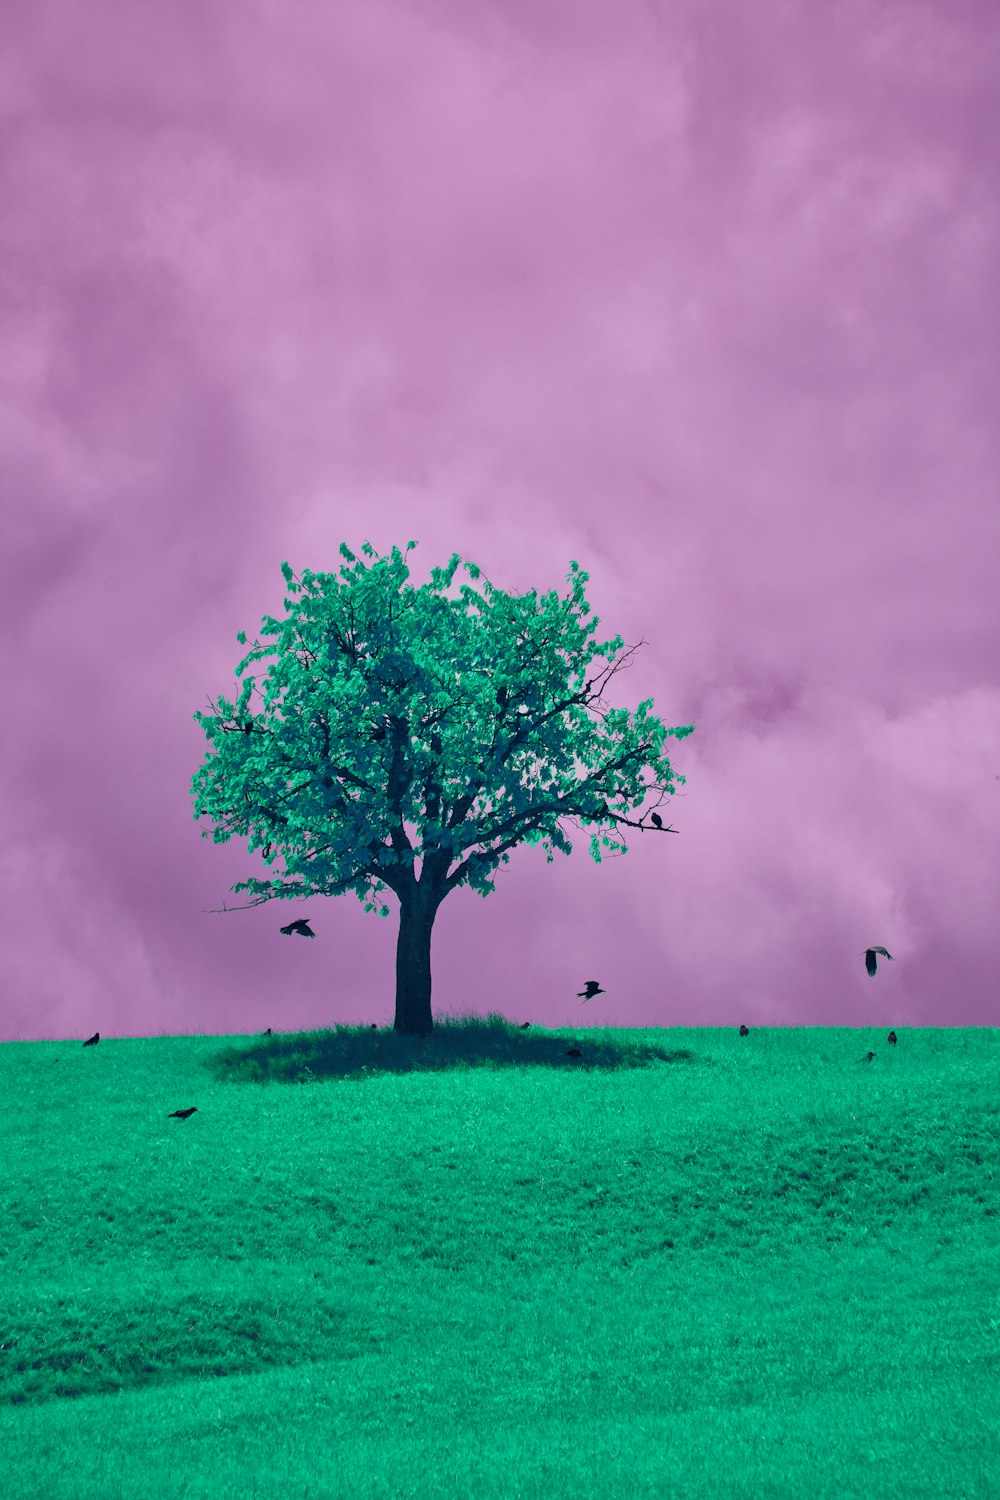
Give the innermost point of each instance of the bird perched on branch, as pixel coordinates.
(871, 963)
(301, 926)
(92, 1041)
(590, 989)
(657, 822)
(183, 1114)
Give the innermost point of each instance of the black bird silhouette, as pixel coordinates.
(870, 961)
(268, 1031)
(574, 1052)
(183, 1114)
(93, 1040)
(524, 1025)
(301, 926)
(373, 1027)
(590, 989)
(891, 1039)
(744, 1031)
(867, 1057)
(655, 818)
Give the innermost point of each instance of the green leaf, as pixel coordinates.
(486, 739)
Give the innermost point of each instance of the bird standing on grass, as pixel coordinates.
(268, 1032)
(891, 1039)
(744, 1031)
(301, 926)
(183, 1114)
(867, 1057)
(590, 989)
(524, 1025)
(574, 1052)
(92, 1041)
(871, 963)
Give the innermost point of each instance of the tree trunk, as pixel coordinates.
(417, 911)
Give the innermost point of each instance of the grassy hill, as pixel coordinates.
(684, 1263)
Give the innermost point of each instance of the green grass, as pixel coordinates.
(686, 1264)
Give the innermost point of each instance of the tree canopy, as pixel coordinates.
(467, 719)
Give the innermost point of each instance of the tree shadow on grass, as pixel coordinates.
(358, 1052)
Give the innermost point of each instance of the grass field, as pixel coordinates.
(687, 1263)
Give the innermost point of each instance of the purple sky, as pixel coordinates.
(703, 297)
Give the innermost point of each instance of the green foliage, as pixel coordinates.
(388, 705)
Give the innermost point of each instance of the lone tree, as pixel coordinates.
(399, 708)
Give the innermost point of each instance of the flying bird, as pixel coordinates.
(183, 1114)
(744, 1031)
(574, 1052)
(891, 1039)
(92, 1041)
(867, 1057)
(301, 926)
(590, 989)
(870, 961)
